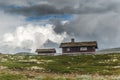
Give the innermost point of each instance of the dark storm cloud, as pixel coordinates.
(59, 27)
(39, 10)
(102, 28)
(48, 7)
(34, 10)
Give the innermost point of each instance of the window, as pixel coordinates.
(68, 49)
(83, 49)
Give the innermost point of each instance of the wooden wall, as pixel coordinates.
(77, 49)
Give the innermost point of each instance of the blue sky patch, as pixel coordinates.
(47, 17)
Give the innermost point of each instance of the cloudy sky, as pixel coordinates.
(29, 24)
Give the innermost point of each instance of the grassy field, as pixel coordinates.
(81, 67)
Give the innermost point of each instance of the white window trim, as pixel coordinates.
(68, 49)
(83, 49)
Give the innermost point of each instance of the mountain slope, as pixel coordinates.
(110, 50)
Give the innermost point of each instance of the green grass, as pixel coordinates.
(80, 67)
(7, 76)
(103, 64)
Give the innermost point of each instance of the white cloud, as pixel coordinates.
(9, 22)
(31, 37)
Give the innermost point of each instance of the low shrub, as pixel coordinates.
(12, 77)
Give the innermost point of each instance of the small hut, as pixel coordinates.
(45, 51)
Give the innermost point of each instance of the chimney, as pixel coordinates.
(72, 40)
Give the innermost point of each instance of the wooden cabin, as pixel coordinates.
(45, 51)
(78, 47)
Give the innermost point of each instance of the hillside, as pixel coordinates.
(30, 66)
(110, 50)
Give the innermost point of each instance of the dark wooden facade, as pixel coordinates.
(45, 51)
(72, 47)
(77, 49)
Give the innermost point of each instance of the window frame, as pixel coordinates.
(67, 49)
(83, 48)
